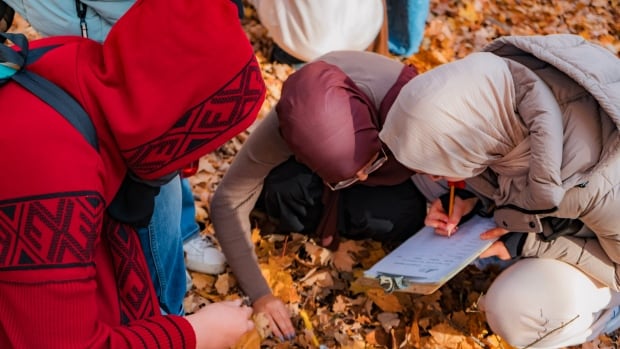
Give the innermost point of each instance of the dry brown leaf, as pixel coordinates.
(363, 319)
(361, 284)
(262, 325)
(201, 214)
(496, 342)
(343, 258)
(205, 165)
(347, 342)
(448, 337)
(377, 338)
(280, 280)
(385, 301)
(388, 320)
(373, 252)
(318, 255)
(224, 283)
(193, 302)
(470, 12)
(249, 340)
(202, 281)
(354, 344)
(321, 278)
(256, 237)
(413, 337)
(340, 304)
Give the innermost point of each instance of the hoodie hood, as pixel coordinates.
(170, 99)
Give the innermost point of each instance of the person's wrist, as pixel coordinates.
(199, 332)
(260, 301)
(514, 243)
(471, 204)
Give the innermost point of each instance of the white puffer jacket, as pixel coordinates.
(307, 29)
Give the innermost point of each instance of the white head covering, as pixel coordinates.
(459, 119)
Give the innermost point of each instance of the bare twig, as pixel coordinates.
(551, 332)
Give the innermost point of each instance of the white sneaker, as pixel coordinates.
(202, 256)
(188, 281)
(614, 321)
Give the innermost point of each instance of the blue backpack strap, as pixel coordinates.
(12, 66)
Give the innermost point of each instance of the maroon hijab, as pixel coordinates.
(333, 128)
(328, 123)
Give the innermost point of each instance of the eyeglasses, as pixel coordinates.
(368, 170)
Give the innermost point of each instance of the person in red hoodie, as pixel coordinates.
(172, 81)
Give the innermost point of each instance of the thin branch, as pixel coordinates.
(551, 332)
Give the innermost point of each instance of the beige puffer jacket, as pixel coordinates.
(585, 80)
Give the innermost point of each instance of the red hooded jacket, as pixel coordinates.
(173, 81)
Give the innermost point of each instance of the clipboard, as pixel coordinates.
(426, 261)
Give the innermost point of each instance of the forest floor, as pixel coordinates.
(345, 310)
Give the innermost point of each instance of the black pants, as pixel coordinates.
(291, 200)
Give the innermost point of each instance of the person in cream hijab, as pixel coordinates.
(531, 125)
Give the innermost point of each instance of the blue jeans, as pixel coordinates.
(189, 227)
(162, 242)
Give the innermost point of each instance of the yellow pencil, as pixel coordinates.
(451, 205)
(308, 324)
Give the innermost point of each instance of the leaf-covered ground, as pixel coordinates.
(346, 311)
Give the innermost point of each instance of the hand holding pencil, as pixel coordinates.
(445, 213)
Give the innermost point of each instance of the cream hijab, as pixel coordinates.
(459, 120)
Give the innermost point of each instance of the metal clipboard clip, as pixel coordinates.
(392, 283)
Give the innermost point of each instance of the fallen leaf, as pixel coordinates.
(385, 301)
(388, 320)
(446, 336)
(343, 258)
(223, 283)
(202, 281)
(261, 323)
(322, 278)
(318, 255)
(249, 340)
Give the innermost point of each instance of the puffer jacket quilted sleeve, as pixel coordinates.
(585, 80)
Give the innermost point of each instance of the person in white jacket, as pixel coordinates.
(532, 125)
(307, 29)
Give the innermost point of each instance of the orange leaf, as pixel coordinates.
(343, 259)
(386, 301)
(249, 340)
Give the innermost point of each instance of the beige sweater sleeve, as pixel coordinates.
(236, 196)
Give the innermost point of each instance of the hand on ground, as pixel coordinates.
(278, 315)
(220, 325)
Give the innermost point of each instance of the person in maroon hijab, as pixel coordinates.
(315, 165)
(72, 272)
